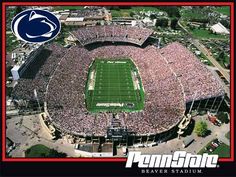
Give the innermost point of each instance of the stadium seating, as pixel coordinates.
(171, 76)
(112, 33)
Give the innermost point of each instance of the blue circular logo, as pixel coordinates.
(35, 26)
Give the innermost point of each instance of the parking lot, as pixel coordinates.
(26, 131)
(199, 142)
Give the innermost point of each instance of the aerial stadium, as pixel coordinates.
(115, 86)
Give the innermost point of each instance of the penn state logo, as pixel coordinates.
(35, 26)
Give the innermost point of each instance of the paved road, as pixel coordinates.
(184, 28)
(207, 53)
(222, 70)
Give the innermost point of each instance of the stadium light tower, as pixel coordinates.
(190, 110)
(36, 96)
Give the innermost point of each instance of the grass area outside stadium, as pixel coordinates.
(223, 150)
(113, 86)
(225, 10)
(39, 150)
(190, 14)
(127, 12)
(206, 34)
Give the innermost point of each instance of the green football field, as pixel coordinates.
(114, 85)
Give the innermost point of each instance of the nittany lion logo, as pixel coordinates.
(35, 26)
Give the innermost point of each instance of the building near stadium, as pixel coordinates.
(114, 87)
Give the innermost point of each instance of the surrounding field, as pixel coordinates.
(223, 150)
(190, 14)
(202, 33)
(224, 10)
(111, 88)
(11, 42)
(127, 12)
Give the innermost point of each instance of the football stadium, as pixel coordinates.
(115, 86)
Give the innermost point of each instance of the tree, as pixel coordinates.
(54, 153)
(200, 20)
(8, 71)
(18, 10)
(152, 16)
(223, 117)
(9, 91)
(201, 129)
(163, 22)
(40, 150)
(115, 8)
(204, 25)
(173, 23)
(172, 11)
(191, 27)
(132, 14)
(221, 56)
(226, 23)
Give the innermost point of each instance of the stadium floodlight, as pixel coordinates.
(36, 96)
(190, 110)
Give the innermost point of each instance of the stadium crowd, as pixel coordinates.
(194, 76)
(65, 96)
(30, 81)
(113, 33)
